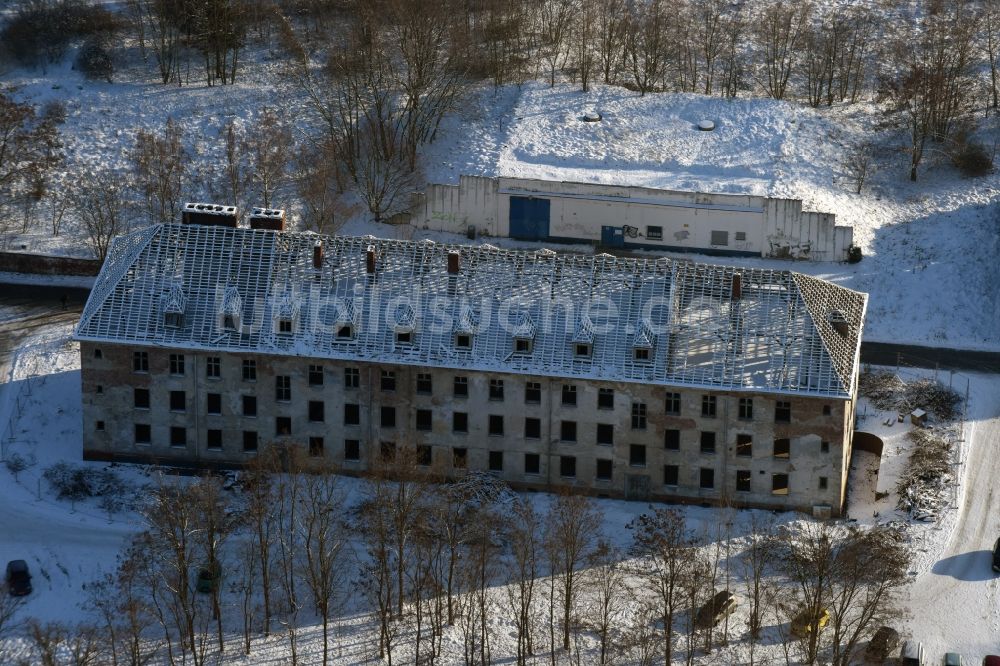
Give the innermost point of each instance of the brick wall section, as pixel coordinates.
(108, 396)
(17, 262)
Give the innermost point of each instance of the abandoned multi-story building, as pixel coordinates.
(649, 378)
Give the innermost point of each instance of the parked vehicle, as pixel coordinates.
(996, 556)
(18, 578)
(953, 659)
(883, 645)
(803, 623)
(718, 607)
(991, 660)
(912, 654)
(209, 577)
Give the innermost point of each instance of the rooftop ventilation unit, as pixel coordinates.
(268, 219)
(207, 214)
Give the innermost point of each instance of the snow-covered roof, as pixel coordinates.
(718, 327)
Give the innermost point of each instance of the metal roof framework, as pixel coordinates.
(774, 333)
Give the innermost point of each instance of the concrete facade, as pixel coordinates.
(638, 218)
(181, 408)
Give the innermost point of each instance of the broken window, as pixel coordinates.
(779, 484)
(782, 448)
(604, 469)
(744, 445)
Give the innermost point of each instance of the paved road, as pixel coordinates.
(954, 605)
(888, 353)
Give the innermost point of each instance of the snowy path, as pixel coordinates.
(64, 550)
(953, 607)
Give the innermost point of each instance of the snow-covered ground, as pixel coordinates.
(929, 246)
(951, 598)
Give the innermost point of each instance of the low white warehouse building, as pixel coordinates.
(625, 217)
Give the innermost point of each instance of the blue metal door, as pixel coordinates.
(612, 237)
(529, 218)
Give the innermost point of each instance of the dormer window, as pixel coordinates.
(232, 309)
(405, 324)
(524, 334)
(173, 303)
(286, 313)
(465, 327)
(583, 338)
(643, 341)
(345, 332)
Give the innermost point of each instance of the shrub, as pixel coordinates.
(75, 483)
(853, 254)
(94, 58)
(40, 31)
(971, 158)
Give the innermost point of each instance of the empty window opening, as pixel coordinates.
(604, 469)
(743, 480)
(744, 445)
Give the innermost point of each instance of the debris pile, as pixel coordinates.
(886, 391)
(923, 486)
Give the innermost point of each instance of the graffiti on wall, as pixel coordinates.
(787, 247)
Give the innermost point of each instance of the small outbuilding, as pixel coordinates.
(918, 417)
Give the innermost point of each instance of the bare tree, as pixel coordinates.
(645, 43)
(319, 186)
(778, 33)
(100, 201)
(755, 560)
(609, 599)
(29, 148)
(216, 522)
(523, 532)
(262, 519)
(269, 147)
(991, 28)
(322, 543)
(237, 167)
(934, 61)
(172, 537)
(164, 19)
(556, 19)
(859, 165)
(584, 32)
(660, 539)
(871, 571)
(572, 528)
(612, 23)
(160, 163)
